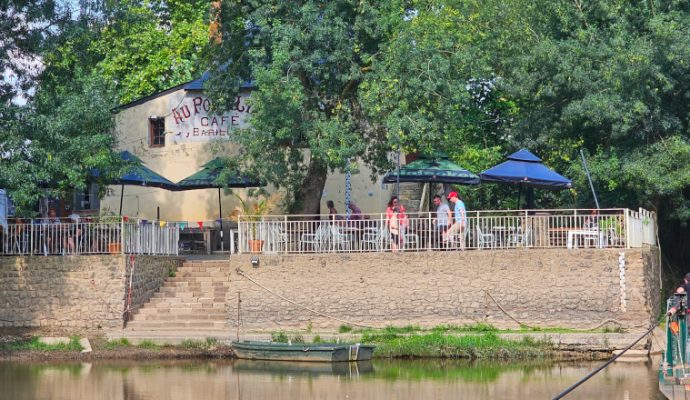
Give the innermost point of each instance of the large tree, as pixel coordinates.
(97, 56)
(610, 78)
(347, 80)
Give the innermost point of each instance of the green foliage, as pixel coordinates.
(193, 344)
(297, 338)
(317, 339)
(24, 30)
(116, 343)
(344, 329)
(35, 345)
(93, 61)
(486, 345)
(279, 337)
(148, 46)
(149, 345)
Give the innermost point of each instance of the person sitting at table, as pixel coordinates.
(460, 219)
(591, 221)
(443, 218)
(355, 212)
(73, 232)
(52, 231)
(332, 212)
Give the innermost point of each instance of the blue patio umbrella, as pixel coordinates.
(136, 173)
(525, 169)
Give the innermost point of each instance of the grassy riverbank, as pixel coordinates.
(479, 341)
(485, 345)
(32, 348)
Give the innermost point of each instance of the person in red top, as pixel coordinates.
(396, 222)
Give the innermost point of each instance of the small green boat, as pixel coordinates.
(313, 352)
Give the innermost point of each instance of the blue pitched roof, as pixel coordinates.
(198, 84)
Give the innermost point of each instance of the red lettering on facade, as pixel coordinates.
(185, 111)
(197, 101)
(177, 116)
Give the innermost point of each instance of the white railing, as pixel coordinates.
(88, 236)
(607, 228)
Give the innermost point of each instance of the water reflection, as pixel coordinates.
(244, 380)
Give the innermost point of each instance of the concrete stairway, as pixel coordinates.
(190, 305)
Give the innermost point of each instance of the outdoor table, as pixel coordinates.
(586, 233)
(206, 235)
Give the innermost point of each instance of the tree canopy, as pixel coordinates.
(94, 58)
(356, 81)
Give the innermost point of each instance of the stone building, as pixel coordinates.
(172, 132)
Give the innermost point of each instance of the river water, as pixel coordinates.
(377, 380)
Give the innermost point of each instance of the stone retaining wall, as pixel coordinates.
(564, 288)
(76, 291)
(545, 288)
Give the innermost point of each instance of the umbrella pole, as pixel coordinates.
(519, 194)
(397, 180)
(220, 217)
(122, 195)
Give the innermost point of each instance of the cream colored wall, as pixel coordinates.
(179, 159)
(369, 197)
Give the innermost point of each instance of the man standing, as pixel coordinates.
(460, 220)
(683, 288)
(443, 217)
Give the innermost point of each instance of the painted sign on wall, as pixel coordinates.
(191, 121)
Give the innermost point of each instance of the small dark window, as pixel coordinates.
(157, 132)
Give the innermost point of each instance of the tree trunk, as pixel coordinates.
(308, 196)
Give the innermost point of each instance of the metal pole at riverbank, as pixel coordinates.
(606, 364)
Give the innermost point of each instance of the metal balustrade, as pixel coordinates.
(282, 234)
(572, 228)
(50, 237)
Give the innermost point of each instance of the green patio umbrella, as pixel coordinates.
(436, 169)
(212, 176)
(136, 173)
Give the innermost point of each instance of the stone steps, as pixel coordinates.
(189, 305)
(177, 325)
(185, 317)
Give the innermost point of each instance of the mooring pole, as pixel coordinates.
(238, 315)
(589, 178)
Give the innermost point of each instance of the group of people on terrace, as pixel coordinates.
(46, 235)
(447, 222)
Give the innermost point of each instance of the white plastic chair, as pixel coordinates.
(521, 239)
(485, 239)
(316, 240)
(340, 240)
(277, 239)
(374, 239)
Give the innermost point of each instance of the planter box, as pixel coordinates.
(255, 246)
(115, 248)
